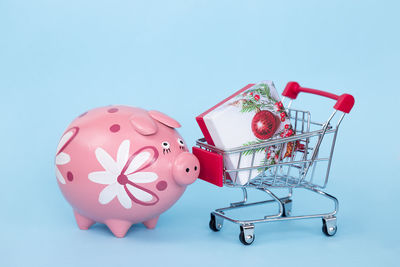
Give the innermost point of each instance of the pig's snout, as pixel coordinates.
(186, 168)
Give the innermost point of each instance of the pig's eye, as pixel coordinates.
(181, 143)
(166, 147)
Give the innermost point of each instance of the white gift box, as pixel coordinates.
(252, 115)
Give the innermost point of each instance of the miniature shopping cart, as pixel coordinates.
(313, 145)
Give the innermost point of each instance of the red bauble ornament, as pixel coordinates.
(263, 124)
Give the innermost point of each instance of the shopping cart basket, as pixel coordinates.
(295, 171)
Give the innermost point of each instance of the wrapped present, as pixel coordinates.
(250, 116)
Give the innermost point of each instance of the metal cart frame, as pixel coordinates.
(295, 171)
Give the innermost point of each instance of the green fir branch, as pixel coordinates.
(249, 106)
(254, 150)
(266, 91)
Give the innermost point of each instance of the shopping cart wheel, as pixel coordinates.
(329, 226)
(247, 235)
(216, 223)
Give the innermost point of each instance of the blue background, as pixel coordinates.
(61, 58)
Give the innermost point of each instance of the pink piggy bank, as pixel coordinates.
(122, 165)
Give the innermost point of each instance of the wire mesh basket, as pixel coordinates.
(311, 147)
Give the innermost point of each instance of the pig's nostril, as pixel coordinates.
(195, 168)
(187, 170)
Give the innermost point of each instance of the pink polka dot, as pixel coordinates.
(70, 176)
(115, 128)
(112, 110)
(161, 185)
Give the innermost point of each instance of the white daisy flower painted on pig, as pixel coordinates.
(63, 158)
(123, 176)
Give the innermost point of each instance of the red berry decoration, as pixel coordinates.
(280, 104)
(263, 124)
(257, 97)
(283, 119)
(287, 126)
(283, 114)
(290, 132)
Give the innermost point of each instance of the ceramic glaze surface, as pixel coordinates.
(122, 165)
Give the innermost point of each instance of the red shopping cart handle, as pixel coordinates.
(345, 102)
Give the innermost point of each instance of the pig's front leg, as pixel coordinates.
(83, 222)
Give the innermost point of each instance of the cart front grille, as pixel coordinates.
(313, 146)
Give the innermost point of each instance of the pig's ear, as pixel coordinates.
(164, 119)
(143, 123)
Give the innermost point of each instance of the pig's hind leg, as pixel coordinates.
(151, 224)
(83, 222)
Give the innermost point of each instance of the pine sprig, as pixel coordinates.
(255, 150)
(267, 93)
(249, 106)
(264, 90)
(250, 103)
